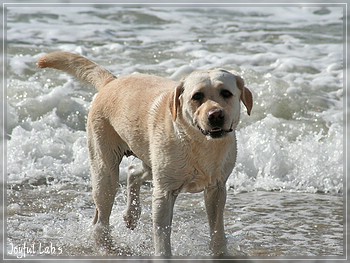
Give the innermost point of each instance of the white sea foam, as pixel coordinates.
(293, 140)
(291, 59)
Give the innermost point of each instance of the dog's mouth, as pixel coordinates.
(215, 132)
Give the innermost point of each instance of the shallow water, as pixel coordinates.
(257, 223)
(286, 191)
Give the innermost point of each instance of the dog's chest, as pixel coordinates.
(202, 170)
(197, 181)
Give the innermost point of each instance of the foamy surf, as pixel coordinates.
(286, 190)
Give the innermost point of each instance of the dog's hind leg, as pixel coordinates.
(136, 176)
(105, 157)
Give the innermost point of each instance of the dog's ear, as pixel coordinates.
(175, 100)
(246, 95)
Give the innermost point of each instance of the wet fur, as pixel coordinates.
(158, 121)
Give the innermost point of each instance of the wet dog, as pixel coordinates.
(183, 132)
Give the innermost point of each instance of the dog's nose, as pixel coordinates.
(216, 118)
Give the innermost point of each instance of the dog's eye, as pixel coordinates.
(198, 96)
(226, 94)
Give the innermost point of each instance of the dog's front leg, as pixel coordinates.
(162, 211)
(215, 199)
(136, 177)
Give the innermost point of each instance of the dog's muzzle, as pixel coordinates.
(215, 132)
(216, 120)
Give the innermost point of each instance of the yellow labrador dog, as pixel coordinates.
(184, 133)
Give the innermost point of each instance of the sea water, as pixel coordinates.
(285, 195)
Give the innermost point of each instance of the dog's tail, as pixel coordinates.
(78, 66)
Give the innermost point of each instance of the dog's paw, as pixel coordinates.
(131, 220)
(105, 244)
(103, 239)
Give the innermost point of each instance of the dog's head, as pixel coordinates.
(210, 101)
